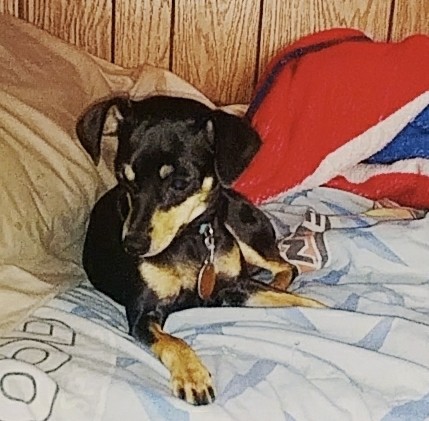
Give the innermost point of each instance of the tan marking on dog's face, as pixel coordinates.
(165, 171)
(168, 281)
(129, 173)
(281, 299)
(166, 224)
(228, 263)
(190, 379)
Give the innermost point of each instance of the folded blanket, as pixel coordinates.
(302, 230)
(338, 109)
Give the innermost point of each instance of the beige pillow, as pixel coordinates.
(48, 183)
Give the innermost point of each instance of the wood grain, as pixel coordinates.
(215, 46)
(410, 17)
(214, 43)
(142, 32)
(9, 7)
(87, 24)
(284, 21)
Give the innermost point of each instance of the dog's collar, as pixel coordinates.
(207, 275)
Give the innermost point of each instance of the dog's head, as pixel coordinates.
(172, 154)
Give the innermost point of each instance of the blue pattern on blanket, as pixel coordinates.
(100, 309)
(158, 408)
(241, 382)
(288, 417)
(375, 338)
(296, 316)
(125, 362)
(413, 410)
(334, 276)
(364, 358)
(351, 303)
(411, 142)
(214, 329)
(368, 241)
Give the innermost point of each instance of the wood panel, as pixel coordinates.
(142, 32)
(87, 24)
(285, 21)
(220, 46)
(215, 46)
(410, 17)
(9, 6)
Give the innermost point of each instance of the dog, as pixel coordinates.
(173, 234)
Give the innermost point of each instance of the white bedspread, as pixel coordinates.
(366, 358)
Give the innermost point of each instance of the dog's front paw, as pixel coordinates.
(192, 382)
(189, 378)
(282, 280)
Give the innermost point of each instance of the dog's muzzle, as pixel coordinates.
(136, 245)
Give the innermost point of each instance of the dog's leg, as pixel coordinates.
(190, 380)
(255, 235)
(284, 273)
(280, 299)
(257, 294)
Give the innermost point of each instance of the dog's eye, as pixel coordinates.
(179, 184)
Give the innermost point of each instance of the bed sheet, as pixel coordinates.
(365, 358)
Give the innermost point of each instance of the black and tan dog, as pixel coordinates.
(172, 234)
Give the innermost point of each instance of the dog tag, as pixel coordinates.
(206, 281)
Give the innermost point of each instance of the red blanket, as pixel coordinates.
(330, 102)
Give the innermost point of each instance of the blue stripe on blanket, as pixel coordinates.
(411, 142)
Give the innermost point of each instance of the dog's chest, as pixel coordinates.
(168, 280)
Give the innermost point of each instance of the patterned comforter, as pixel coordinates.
(365, 358)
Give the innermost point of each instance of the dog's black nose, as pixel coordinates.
(135, 245)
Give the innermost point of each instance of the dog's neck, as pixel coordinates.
(215, 213)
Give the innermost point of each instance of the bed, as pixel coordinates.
(350, 211)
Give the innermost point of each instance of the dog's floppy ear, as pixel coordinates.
(90, 125)
(235, 145)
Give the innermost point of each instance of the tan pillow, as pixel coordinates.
(48, 183)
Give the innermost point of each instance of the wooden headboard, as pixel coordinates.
(220, 46)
